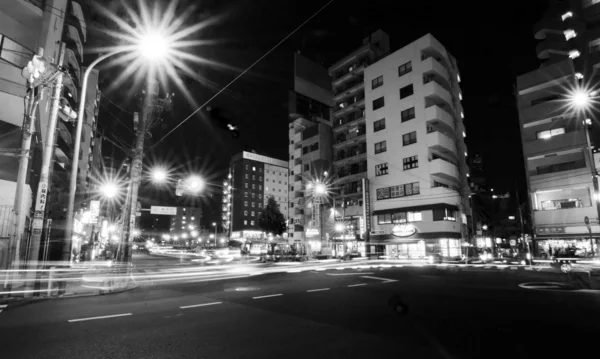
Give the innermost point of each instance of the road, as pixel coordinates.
(315, 314)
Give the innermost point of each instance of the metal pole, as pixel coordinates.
(215, 236)
(43, 186)
(75, 164)
(596, 196)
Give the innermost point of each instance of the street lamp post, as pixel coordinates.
(215, 225)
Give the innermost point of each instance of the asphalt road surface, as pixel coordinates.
(317, 314)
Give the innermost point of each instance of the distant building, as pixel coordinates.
(186, 220)
(416, 152)
(254, 178)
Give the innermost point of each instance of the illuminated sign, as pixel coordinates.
(264, 159)
(404, 230)
(312, 232)
(366, 209)
(167, 211)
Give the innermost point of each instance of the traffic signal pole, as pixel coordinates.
(43, 186)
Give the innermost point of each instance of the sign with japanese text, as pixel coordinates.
(166, 211)
(550, 230)
(366, 208)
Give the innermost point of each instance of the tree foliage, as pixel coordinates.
(271, 220)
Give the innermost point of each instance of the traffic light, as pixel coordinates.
(215, 115)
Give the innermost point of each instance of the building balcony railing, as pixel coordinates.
(567, 140)
(565, 216)
(342, 155)
(441, 143)
(350, 105)
(444, 169)
(435, 116)
(436, 94)
(354, 136)
(348, 89)
(350, 70)
(352, 118)
(433, 67)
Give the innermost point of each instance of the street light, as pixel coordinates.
(108, 190)
(159, 175)
(215, 225)
(195, 184)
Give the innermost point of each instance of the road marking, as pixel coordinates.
(218, 278)
(317, 290)
(357, 285)
(357, 273)
(199, 305)
(3, 305)
(268, 296)
(385, 280)
(102, 317)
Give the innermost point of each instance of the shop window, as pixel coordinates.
(444, 214)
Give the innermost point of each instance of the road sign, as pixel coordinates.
(166, 211)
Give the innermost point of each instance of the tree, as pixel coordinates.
(271, 220)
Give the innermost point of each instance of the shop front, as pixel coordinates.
(404, 241)
(566, 246)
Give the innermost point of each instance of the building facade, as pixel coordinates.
(415, 153)
(350, 130)
(254, 178)
(310, 147)
(559, 164)
(25, 27)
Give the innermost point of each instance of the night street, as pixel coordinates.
(317, 314)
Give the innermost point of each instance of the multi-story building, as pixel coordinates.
(310, 147)
(254, 179)
(349, 127)
(559, 165)
(415, 152)
(25, 27)
(186, 220)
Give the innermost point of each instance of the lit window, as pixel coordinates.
(245, 213)
(464, 134)
(458, 77)
(246, 203)
(460, 96)
(573, 54)
(251, 223)
(245, 222)
(578, 75)
(569, 34)
(253, 168)
(462, 114)
(550, 133)
(252, 213)
(466, 153)
(566, 15)
(193, 218)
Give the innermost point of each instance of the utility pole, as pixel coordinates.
(31, 101)
(43, 187)
(137, 162)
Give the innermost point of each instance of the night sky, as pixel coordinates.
(492, 46)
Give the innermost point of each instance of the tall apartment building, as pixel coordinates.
(349, 129)
(254, 179)
(310, 147)
(558, 162)
(415, 154)
(25, 26)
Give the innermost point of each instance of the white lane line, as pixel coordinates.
(357, 285)
(268, 296)
(317, 290)
(3, 305)
(102, 317)
(357, 273)
(385, 280)
(216, 278)
(199, 305)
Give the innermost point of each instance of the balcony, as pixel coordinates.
(357, 136)
(544, 110)
(562, 142)
(353, 153)
(436, 116)
(551, 44)
(359, 102)
(355, 117)
(444, 170)
(73, 41)
(432, 67)
(441, 143)
(356, 69)
(436, 94)
(432, 47)
(565, 216)
(76, 19)
(349, 89)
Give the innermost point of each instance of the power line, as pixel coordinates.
(117, 106)
(242, 73)
(116, 118)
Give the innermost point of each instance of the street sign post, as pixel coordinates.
(165, 211)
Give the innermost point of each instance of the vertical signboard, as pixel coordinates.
(40, 206)
(366, 208)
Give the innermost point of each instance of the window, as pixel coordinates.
(410, 162)
(251, 223)
(378, 103)
(252, 213)
(409, 138)
(246, 185)
(380, 147)
(397, 191)
(379, 125)
(306, 167)
(259, 205)
(414, 216)
(13, 52)
(376, 82)
(384, 218)
(253, 168)
(381, 169)
(259, 196)
(406, 91)
(253, 195)
(246, 176)
(444, 214)
(245, 213)
(246, 203)
(253, 177)
(260, 178)
(407, 114)
(253, 204)
(404, 69)
(246, 166)
(550, 133)
(253, 186)
(245, 194)
(409, 189)
(260, 187)
(245, 222)
(399, 217)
